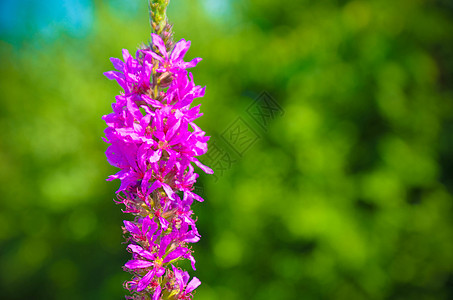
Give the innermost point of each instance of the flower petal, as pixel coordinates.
(160, 272)
(163, 245)
(143, 284)
(117, 63)
(114, 75)
(159, 43)
(206, 169)
(138, 264)
(157, 292)
(157, 184)
(178, 252)
(191, 64)
(180, 50)
(169, 191)
(163, 223)
(151, 101)
(179, 275)
(156, 155)
(126, 55)
(140, 251)
(193, 284)
(131, 227)
(170, 133)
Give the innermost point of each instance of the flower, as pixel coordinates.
(154, 141)
(153, 260)
(174, 62)
(185, 288)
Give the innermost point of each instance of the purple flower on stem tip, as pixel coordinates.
(154, 141)
(174, 62)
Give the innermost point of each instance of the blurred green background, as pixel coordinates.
(347, 195)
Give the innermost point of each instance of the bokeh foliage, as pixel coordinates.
(348, 195)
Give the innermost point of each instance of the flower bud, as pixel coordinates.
(165, 79)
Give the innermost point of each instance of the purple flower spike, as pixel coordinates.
(155, 143)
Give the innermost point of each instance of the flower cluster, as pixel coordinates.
(154, 141)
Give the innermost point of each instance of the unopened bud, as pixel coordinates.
(165, 79)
